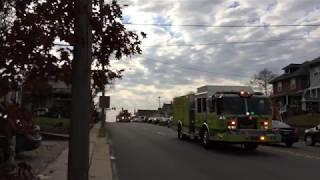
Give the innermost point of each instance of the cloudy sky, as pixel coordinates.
(177, 59)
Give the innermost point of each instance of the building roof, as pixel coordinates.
(292, 65)
(212, 89)
(302, 71)
(315, 62)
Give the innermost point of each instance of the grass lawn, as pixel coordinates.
(304, 121)
(102, 132)
(52, 124)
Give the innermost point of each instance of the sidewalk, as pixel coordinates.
(100, 164)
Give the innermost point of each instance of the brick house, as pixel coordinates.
(289, 87)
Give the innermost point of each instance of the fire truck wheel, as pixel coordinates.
(180, 134)
(205, 139)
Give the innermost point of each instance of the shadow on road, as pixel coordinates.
(228, 149)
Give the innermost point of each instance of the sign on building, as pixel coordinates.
(104, 101)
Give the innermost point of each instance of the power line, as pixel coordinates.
(197, 69)
(234, 42)
(224, 26)
(217, 43)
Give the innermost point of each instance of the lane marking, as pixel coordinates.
(298, 154)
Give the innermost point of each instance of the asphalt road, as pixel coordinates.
(149, 152)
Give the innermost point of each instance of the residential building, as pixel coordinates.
(311, 97)
(55, 96)
(166, 110)
(288, 88)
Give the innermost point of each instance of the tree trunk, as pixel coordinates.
(12, 151)
(78, 164)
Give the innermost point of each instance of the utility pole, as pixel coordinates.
(159, 101)
(78, 160)
(103, 120)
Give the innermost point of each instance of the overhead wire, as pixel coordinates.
(234, 42)
(222, 26)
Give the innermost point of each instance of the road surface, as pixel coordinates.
(150, 152)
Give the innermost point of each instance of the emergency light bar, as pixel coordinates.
(245, 94)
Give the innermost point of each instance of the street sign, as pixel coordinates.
(104, 101)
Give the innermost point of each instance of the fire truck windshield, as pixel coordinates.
(259, 105)
(233, 105)
(240, 106)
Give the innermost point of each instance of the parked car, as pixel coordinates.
(312, 136)
(289, 135)
(164, 121)
(155, 120)
(27, 140)
(170, 121)
(41, 111)
(135, 119)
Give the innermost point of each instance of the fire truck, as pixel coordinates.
(123, 116)
(225, 114)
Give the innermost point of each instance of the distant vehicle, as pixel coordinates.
(28, 141)
(312, 136)
(164, 121)
(124, 116)
(225, 114)
(135, 119)
(170, 121)
(144, 118)
(155, 120)
(289, 135)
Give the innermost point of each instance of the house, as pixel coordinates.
(289, 87)
(55, 96)
(311, 96)
(166, 110)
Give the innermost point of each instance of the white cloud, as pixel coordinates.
(170, 71)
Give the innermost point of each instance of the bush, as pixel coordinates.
(54, 124)
(304, 121)
(102, 132)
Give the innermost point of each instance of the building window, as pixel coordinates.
(293, 84)
(279, 85)
(314, 93)
(199, 105)
(204, 104)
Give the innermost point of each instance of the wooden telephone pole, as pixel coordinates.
(78, 161)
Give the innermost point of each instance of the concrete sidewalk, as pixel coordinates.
(100, 164)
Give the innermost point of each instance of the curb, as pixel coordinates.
(112, 155)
